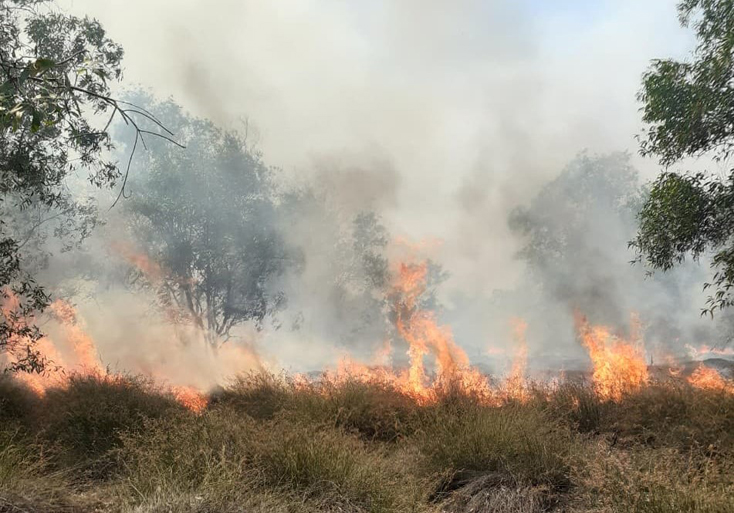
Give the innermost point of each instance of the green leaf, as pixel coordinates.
(36, 121)
(25, 74)
(101, 74)
(42, 65)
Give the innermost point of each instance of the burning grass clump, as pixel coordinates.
(267, 443)
(86, 416)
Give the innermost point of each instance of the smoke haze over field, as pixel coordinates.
(475, 104)
(443, 117)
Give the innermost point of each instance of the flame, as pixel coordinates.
(710, 379)
(515, 384)
(85, 349)
(83, 352)
(436, 363)
(424, 336)
(703, 351)
(139, 259)
(190, 398)
(619, 365)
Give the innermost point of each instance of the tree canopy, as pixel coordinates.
(207, 215)
(572, 224)
(689, 110)
(55, 111)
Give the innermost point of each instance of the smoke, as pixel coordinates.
(440, 117)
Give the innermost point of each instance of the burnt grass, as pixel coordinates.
(269, 445)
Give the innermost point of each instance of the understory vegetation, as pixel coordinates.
(265, 443)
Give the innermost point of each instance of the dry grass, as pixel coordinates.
(267, 444)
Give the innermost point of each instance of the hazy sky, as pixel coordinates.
(455, 111)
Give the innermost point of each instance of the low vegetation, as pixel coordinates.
(265, 443)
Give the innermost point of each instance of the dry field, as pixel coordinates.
(270, 444)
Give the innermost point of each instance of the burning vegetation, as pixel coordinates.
(143, 333)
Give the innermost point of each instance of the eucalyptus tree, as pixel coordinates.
(689, 109)
(56, 109)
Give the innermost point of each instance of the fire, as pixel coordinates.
(140, 260)
(436, 364)
(619, 365)
(710, 379)
(424, 336)
(85, 349)
(81, 349)
(703, 351)
(191, 398)
(515, 384)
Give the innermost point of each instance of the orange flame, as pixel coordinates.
(619, 366)
(515, 384)
(425, 337)
(83, 351)
(190, 398)
(710, 379)
(704, 350)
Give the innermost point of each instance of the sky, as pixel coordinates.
(442, 116)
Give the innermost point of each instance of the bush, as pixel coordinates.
(377, 411)
(647, 480)
(519, 444)
(17, 402)
(26, 482)
(86, 417)
(259, 395)
(574, 404)
(226, 459)
(675, 415)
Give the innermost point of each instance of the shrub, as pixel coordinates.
(377, 411)
(86, 417)
(17, 402)
(574, 404)
(226, 458)
(675, 415)
(259, 395)
(647, 480)
(26, 482)
(520, 444)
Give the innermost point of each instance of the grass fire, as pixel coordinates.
(380, 257)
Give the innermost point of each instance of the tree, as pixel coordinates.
(689, 109)
(339, 272)
(207, 216)
(54, 73)
(573, 228)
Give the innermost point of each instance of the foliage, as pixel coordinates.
(688, 107)
(574, 227)
(691, 215)
(89, 415)
(207, 216)
(54, 73)
(339, 258)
